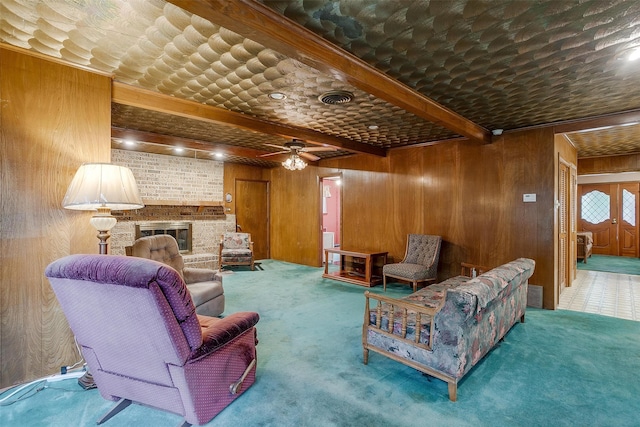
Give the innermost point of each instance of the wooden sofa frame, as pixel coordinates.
(403, 307)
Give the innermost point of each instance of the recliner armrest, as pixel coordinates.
(195, 275)
(217, 332)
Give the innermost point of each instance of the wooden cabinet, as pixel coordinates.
(360, 268)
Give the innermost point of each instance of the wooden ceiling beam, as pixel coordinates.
(176, 141)
(154, 101)
(624, 118)
(259, 23)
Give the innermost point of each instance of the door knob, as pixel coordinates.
(614, 221)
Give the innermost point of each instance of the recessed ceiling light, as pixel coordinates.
(129, 142)
(278, 96)
(373, 127)
(635, 54)
(178, 149)
(218, 155)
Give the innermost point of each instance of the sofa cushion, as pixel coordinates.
(432, 295)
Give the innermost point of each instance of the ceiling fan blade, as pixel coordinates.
(307, 149)
(308, 156)
(274, 154)
(275, 146)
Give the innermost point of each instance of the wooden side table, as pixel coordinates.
(357, 267)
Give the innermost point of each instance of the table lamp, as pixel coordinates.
(102, 187)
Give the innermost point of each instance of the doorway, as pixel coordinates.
(252, 214)
(331, 215)
(610, 212)
(566, 220)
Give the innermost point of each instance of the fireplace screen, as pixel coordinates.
(181, 231)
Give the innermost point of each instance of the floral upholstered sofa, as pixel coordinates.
(445, 329)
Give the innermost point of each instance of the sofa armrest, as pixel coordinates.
(195, 275)
(217, 332)
(400, 319)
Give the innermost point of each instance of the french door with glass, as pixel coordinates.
(610, 212)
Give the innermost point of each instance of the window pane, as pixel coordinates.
(595, 207)
(629, 207)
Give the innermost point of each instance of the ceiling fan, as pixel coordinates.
(297, 147)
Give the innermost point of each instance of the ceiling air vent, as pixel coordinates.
(336, 97)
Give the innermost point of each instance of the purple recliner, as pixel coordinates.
(143, 341)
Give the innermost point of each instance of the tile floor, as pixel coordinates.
(608, 294)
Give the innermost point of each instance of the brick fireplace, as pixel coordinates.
(175, 189)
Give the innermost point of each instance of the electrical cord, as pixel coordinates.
(33, 387)
(64, 369)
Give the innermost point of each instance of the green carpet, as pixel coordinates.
(611, 264)
(560, 368)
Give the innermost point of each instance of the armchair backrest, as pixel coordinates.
(423, 249)
(162, 247)
(131, 316)
(236, 240)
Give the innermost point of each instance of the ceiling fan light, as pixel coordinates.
(294, 162)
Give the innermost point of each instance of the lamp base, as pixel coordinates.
(103, 246)
(103, 222)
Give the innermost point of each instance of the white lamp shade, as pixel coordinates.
(102, 185)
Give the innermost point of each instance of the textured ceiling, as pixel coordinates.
(499, 64)
(607, 141)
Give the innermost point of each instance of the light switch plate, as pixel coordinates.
(529, 198)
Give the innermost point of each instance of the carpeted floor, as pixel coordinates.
(560, 368)
(611, 264)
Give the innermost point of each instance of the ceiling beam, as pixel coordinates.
(624, 118)
(154, 101)
(176, 141)
(259, 23)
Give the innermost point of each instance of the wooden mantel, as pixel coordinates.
(204, 203)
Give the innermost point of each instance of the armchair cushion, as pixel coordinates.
(408, 271)
(236, 249)
(194, 275)
(236, 240)
(216, 332)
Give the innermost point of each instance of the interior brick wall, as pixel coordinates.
(179, 179)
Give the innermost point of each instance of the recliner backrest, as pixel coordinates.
(131, 316)
(163, 248)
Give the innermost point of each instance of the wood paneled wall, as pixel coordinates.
(468, 193)
(53, 118)
(232, 172)
(609, 164)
